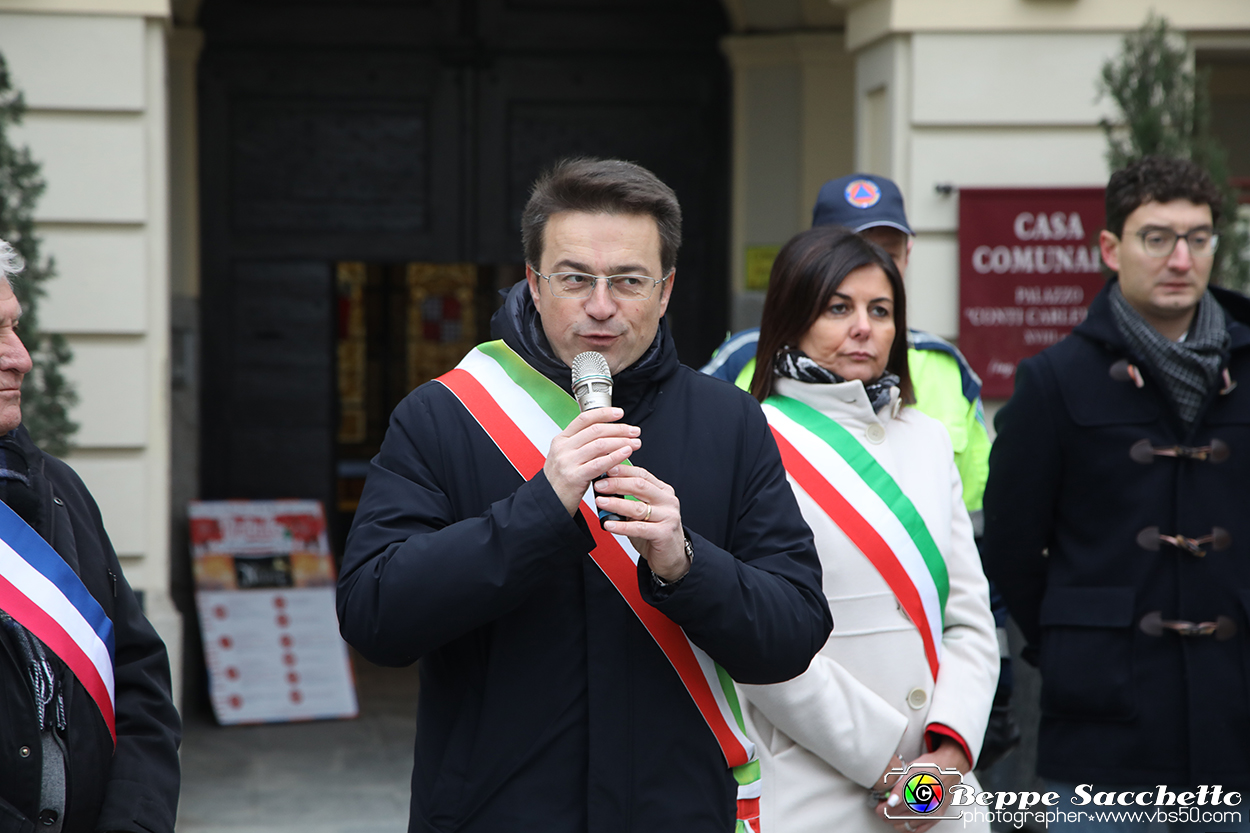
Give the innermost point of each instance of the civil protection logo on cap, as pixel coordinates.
(862, 193)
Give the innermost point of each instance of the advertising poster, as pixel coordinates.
(1028, 268)
(264, 589)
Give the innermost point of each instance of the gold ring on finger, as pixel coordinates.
(647, 516)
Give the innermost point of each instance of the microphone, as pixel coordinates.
(592, 381)
(592, 388)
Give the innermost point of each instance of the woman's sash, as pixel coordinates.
(843, 478)
(522, 411)
(45, 596)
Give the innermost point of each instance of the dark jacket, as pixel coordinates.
(545, 705)
(134, 787)
(1120, 704)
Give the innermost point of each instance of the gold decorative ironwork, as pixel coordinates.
(441, 316)
(352, 352)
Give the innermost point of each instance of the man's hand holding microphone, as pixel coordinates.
(595, 444)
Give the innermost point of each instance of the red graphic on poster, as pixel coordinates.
(1028, 268)
(305, 528)
(205, 530)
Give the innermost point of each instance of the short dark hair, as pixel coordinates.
(601, 186)
(807, 272)
(1158, 179)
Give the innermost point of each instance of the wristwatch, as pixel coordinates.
(689, 560)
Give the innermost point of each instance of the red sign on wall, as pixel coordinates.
(1028, 268)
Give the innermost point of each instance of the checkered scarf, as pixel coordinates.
(795, 364)
(1186, 369)
(45, 683)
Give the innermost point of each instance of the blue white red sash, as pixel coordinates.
(45, 596)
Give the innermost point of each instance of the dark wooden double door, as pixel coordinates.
(389, 132)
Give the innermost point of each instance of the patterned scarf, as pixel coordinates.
(45, 684)
(793, 363)
(1186, 369)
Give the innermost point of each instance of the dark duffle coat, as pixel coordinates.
(1073, 518)
(545, 706)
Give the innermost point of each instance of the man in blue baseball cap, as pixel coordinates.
(861, 202)
(946, 387)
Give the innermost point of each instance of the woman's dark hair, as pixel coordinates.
(807, 272)
(1158, 179)
(601, 186)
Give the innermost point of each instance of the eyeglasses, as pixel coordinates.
(1161, 242)
(622, 287)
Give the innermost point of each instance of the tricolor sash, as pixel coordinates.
(45, 596)
(843, 478)
(522, 411)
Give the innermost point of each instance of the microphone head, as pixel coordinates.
(592, 380)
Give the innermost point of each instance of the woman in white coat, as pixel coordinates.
(908, 675)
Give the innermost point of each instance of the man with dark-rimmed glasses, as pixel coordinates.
(577, 678)
(1116, 518)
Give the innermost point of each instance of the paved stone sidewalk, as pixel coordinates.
(348, 776)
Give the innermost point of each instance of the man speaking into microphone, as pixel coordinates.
(578, 676)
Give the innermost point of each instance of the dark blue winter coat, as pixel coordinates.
(544, 704)
(1073, 519)
(131, 786)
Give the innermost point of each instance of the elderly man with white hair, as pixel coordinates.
(88, 730)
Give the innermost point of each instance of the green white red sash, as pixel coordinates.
(522, 411)
(842, 477)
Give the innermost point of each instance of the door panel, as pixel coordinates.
(330, 166)
(663, 116)
(394, 131)
(275, 407)
(342, 154)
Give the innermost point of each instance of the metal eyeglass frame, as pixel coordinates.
(1176, 238)
(594, 279)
